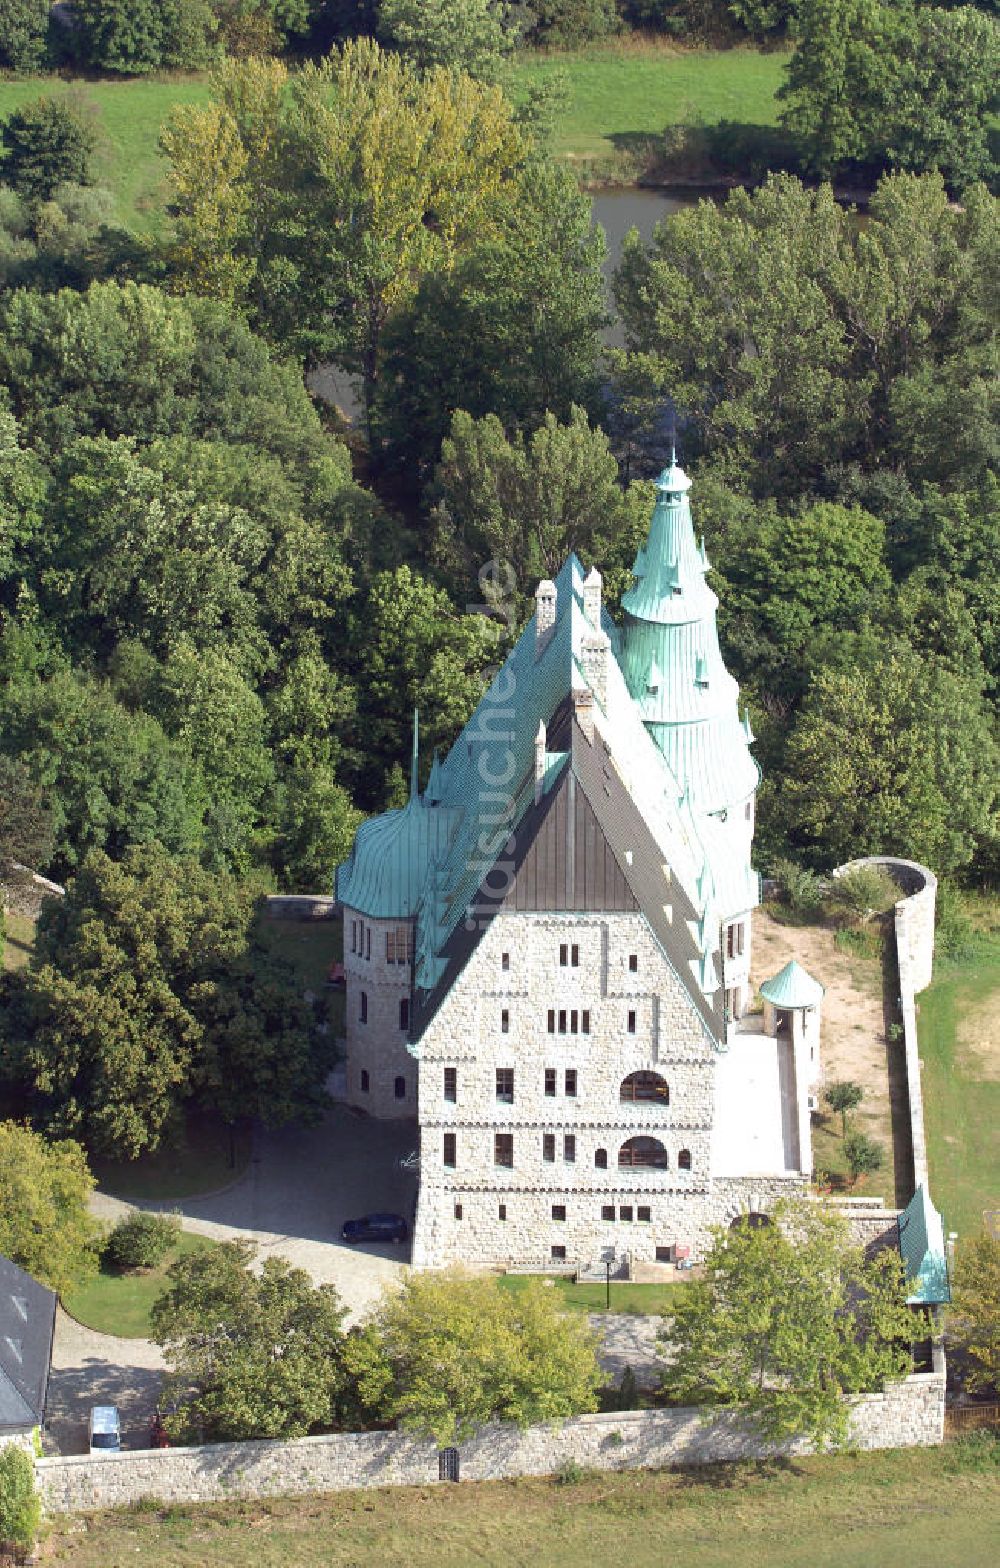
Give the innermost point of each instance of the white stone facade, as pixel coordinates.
(554, 1201)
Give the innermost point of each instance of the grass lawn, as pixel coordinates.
(208, 1156)
(956, 1023)
(116, 1303)
(20, 940)
(913, 1508)
(621, 95)
(617, 96)
(593, 1298)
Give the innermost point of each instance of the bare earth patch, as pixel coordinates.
(852, 1043)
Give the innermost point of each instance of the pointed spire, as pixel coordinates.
(414, 765)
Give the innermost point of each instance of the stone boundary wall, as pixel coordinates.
(908, 1414)
(914, 925)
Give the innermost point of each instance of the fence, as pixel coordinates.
(971, 1418)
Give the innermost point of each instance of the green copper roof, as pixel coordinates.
(921, 1242)
(792, 986)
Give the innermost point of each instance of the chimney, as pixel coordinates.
(539, 761)
(545, 613)
(592, 584)
(594, 652)
(583, 707)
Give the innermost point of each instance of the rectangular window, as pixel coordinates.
(631, 1020)
(354, 936)
(404, 1013)
(505, 961)
(451, 1084)
(449, 1151)
(552, 1021)
(607, 1211)
(502, 1211)
(644, 1214)
(574, 1021)
(458, 1211)
(562, 1020)
(735, 937)
(585, 1021)
(505, 1085)
(558, 1254)
(548, 1147)
(559, 1211)
(625, 1213)
(550, 1081)
(505, 1020)
(563, 954)
(363, 1008)
(665, 1254)
(571, 1082)
(633, 963)
(574, 956)
(390, 947)
(749, 811)
(368, 942)
(569, 1148)
(398, 945)
(503, 1149)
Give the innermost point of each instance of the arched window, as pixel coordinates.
(400, 1088)
(601, 1159)
(648, 1152)
(647, 1087)
(684, 1160)
(363, 1008)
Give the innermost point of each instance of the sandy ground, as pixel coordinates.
(853, 1042)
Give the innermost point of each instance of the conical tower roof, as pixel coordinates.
(792, 986)
(672, 662)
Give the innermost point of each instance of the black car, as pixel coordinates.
(376, 1227)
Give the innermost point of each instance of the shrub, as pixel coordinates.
(45, 144)
(800, 888)
(20, 1508)
(863, 1154)
(864, 892)
(142, 1240)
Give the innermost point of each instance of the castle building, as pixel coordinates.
(547, 951)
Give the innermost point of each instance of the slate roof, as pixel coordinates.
(27, 1322)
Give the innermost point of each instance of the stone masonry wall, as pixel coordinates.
(908, 1414)
(377, 1046)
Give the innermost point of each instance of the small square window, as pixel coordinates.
(664, 1254)
(449, 1151)
(585, 1021)
(505, 1085)
(503, 1149)
(625, 1213)
(550, 1081)
(631, 1020)
(571, 1082)
(563, 954)
(505, 961)
(458, 1211)
(548, 1147)
(559, 1211)
(451, 1083)
(633, 963)
(552, 1020)
(569, 1148)
(502, 1211)
(643, 1214)
(558, 1254)
(505, 1020)
(607, 1211)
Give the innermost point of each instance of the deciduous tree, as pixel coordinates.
(974, 1320)
(463, 35)
(45, 144)
(787, 1319)
(24, 30)
(45, 1225)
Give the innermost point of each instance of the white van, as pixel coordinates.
(105, 1430)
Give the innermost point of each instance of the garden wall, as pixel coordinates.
(909, 1414)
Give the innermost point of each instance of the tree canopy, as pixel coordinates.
(45, 1224)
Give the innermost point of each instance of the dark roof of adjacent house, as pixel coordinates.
(27, 1323)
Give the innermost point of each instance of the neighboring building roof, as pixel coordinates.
(27, 1322)
(921, 1242)
(793, 986)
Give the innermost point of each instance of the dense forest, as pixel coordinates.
(219, 604)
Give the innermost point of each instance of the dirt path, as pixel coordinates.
(853, 1042)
